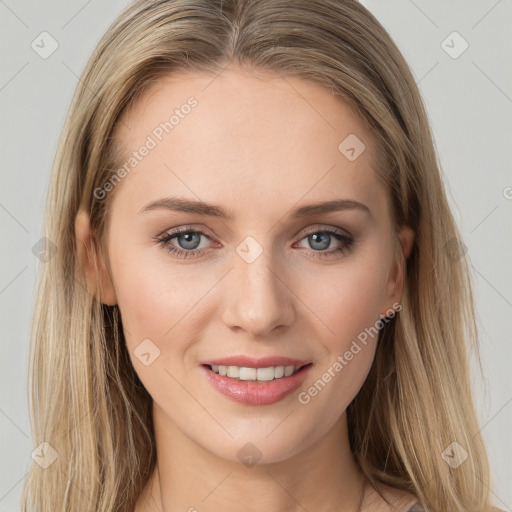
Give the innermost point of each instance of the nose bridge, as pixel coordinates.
(259, 299)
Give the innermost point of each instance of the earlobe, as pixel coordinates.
(398, 276)
(406, 237)
(91, 261)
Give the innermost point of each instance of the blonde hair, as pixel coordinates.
(87, 401)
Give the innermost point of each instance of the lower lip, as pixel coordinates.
(257, 393)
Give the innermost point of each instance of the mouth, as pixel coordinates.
(251, 374)
(256, 386)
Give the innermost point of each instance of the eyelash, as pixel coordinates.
(165, 239)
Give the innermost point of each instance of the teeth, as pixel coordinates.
(256, 374)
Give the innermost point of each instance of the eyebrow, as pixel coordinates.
(210, 210)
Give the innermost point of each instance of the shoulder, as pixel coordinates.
(417, 507)
(384, 498)
(388, 499)
(399, 500)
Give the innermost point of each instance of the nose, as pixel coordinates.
(258, 297)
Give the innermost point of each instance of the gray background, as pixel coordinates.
(469, 102)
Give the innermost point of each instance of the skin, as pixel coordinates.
(254, 143)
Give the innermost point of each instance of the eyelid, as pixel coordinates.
(204, 231)
(200, 228)
(343, 236)
(324, 227)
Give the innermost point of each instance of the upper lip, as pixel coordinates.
(252, 362)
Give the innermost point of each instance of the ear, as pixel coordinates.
(92, 262)
(397, 274)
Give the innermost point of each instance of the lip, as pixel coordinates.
(257, 393)
(251, 362)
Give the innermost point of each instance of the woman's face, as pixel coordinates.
(263, 281)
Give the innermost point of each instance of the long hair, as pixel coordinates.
(86, 400)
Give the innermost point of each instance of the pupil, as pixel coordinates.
(189, 242)
(317, 237)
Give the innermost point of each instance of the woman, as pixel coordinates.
(259, 299)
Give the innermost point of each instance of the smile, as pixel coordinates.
(255, 374)
(256, 386)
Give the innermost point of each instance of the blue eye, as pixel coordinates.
(189, 240)
(321, 240)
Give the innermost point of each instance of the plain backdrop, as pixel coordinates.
(460, 53)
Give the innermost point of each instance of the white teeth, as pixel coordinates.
(257, 374)
(246, 373)
(266, 373)
(279, 372)
(288, 370)
(233, 371)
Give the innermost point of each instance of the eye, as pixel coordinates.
(320, 240)
(186, 242)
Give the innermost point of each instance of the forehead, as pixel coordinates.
(245, 137)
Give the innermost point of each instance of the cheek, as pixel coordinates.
(158, 304)
(157, 299)
(350, 298)
(349, 308)
(160, 308)
(348, 302)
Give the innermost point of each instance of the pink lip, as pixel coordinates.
(251, 362)
(257, 393)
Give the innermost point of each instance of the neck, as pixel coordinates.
(322, 477)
